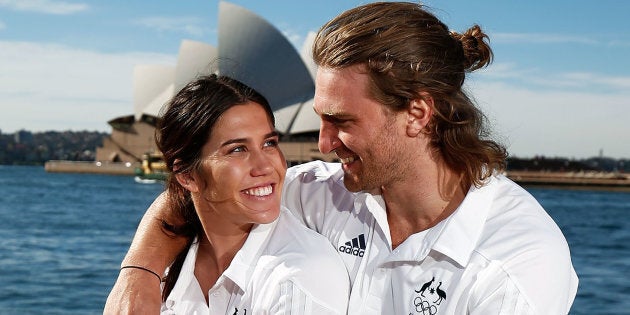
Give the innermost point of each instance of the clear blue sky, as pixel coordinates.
(559, 86)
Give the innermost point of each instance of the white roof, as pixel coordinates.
(250, 50)
(194, 59)
(148, 82)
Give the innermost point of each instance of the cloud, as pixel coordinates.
(541, 38)
(55, 87)
(545, 38)
(541, 79)
(188, 25)
(566, 114)
(555, 122)
(619, 43)
(44, 6)
(294, 38)
(293, 35)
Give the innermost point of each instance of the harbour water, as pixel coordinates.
(62, 238)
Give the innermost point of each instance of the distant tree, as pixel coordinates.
(35, 148)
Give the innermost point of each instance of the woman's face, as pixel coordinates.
(243, 169)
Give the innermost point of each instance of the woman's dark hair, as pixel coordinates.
(183, 128)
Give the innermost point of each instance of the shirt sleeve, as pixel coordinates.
(537, 286)
(505, 300)
(306, 195)
(526, 260)
(291, 195)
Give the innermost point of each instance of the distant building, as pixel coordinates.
(250, 50)
(23, 136)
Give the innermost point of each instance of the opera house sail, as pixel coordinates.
(251, 50)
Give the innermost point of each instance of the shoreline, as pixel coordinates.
(553, 179)
(91, 167)
(574, 180)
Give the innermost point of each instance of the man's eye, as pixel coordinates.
(336, 120)
(271, 143)
(340, 122)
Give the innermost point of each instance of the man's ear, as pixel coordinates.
(419, 114)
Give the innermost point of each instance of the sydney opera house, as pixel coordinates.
(249, 49)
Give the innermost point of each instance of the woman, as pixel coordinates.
(246, 255)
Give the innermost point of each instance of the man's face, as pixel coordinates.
(361, 131)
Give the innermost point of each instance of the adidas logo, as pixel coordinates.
(355, 247)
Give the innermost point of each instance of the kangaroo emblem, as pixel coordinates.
(425, 286)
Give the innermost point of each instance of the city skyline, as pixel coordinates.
(559, 86)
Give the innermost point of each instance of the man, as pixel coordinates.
(417, 208)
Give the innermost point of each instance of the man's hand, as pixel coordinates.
(135, 292)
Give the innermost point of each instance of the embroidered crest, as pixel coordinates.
(428, 298)
(237, 313)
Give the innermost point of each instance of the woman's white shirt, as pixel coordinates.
(282, 268)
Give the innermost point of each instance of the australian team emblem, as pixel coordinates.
(428, 298)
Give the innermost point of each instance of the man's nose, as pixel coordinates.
(328, 140)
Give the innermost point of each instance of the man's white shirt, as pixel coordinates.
(283, 268)
(498, 253)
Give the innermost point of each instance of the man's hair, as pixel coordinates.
(407, 51)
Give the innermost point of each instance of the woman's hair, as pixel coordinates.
(183, 128)
(408, 51)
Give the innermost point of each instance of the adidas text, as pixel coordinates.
(355, 246)
(352, 251)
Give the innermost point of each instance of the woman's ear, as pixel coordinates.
(419, 114)
(187, 181)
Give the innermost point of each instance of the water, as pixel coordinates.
(597, 227)
(62, 237)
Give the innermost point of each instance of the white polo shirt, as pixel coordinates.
(282, 268)
(498, 253)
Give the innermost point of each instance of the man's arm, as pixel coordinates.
(137, 291)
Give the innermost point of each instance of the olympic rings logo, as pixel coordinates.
(424, 307)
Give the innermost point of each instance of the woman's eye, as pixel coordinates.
(238, 149)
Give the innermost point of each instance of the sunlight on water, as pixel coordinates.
(63, 237)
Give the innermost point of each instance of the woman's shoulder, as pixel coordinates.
(301, 237)
(302, 247)
(315, 171)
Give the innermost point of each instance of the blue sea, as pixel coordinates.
(62, 237)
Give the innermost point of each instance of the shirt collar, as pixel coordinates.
(455, 236)
(460, 232)
(186, 273)
(241, 268)
(244, 262)
(376, 205)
